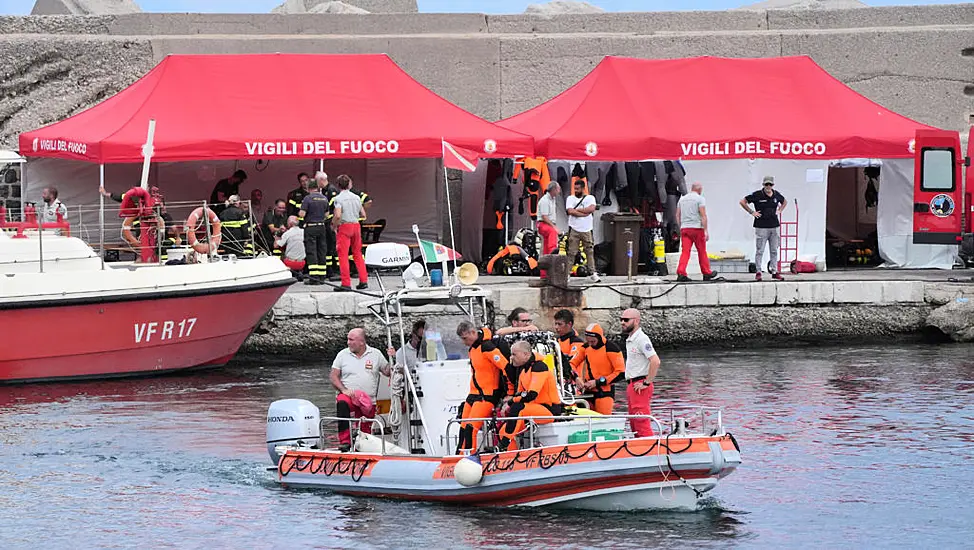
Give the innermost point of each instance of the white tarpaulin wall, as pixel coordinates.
(726, 182)
(404, 191)
(894, 222)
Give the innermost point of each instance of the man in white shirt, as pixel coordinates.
(691, 210)
(580, 224)
(642, 364)
(52, 207)
(355, 374)
(348, 210)
(292, 242)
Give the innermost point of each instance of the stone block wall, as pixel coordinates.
(10, 193)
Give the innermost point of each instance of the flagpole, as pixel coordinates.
(449, 206)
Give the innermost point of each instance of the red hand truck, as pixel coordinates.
(788, 249)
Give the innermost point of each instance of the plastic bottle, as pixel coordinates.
(440, 348)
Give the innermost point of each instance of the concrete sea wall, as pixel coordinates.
(732, 314)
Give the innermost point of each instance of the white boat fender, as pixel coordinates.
(469, 471)
(368, 443)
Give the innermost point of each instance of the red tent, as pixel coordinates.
(712, 108)
(272, 106)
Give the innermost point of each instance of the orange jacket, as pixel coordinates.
(487, 364)
(570, 345)
(539, 177)
(536, 384)
(602, 362)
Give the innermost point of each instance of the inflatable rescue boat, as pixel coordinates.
(580, 460)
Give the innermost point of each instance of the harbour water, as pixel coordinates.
(852, 447)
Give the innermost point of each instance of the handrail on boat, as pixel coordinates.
(533, 424)
(359, 421)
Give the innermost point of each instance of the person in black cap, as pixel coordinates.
(226, 188)
(768, 205)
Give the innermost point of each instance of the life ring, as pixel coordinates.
(193, 223)
(136, 202)
(127, 232)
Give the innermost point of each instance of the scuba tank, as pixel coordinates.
(659, 252)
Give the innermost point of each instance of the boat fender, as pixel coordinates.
(368, 443)
(469, 471)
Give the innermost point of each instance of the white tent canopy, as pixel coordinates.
(11, 157)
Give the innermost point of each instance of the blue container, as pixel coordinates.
(436, 277)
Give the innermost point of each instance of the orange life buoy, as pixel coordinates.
(193, 223)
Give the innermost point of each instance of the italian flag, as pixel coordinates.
(436, 252)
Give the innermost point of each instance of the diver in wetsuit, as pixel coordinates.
(487, 382)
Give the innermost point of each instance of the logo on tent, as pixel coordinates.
(36, 140)
(912, 146)
(942, 205)
(490, 145)
(591, 148)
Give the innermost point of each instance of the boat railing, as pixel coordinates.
(532, 422)
(113, 230)
(325, 420)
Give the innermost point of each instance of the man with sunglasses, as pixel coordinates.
(642, 364)
(520, 320)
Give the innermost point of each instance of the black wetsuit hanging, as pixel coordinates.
(501, 195)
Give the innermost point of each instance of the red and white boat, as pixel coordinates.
(64, 313)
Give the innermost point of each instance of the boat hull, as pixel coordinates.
(635, 474)
(110, 336)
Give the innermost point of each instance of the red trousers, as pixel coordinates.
(639, 403)
(295, 265)
(549, 239)
(693, 236)
(350, 237)
(347, 408)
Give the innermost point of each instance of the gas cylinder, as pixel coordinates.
(659, 252)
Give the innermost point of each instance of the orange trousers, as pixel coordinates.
(512, 428)
(603, 405)
(468, 430)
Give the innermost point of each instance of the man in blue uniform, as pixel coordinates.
(314, 210)
(768, 205)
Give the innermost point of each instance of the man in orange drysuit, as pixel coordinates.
(568, 341)
(536, 394)
(487, 382)
(598, 366)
